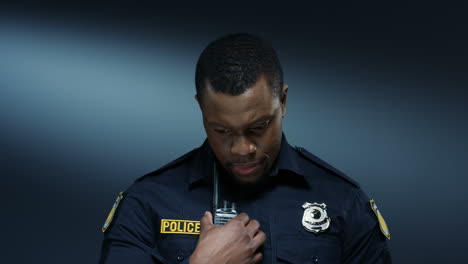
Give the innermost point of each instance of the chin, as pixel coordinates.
(247, 180)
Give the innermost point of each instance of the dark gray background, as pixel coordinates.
(92, 97)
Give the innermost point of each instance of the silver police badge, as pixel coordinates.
(315, 217)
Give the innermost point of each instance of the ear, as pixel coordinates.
(284, 95)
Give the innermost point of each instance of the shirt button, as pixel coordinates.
(314, 259)
(180, 256)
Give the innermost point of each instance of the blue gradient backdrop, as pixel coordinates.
(88, 104)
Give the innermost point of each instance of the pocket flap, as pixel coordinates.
(308, 250)
(174, 248)
(155, 253)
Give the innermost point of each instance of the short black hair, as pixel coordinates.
(233, 63)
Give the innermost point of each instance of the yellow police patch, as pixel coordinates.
(382, 224)
(172, 226)
(112, 212)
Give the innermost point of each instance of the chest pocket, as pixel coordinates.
(174, 248)
(304, 250)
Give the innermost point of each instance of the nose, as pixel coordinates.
(242, 146)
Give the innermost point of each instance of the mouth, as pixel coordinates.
(245, 169)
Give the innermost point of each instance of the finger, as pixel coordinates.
(206, 222)
(259, 239)
(252, 227)
(243, 217)
(257, 258)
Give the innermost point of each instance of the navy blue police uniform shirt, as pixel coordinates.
(157, 219)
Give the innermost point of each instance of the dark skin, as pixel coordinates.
(244, 132)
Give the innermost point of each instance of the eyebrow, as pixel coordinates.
(258, 120)
(261, 119)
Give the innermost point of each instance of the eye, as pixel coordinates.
(261, 126)
(222, 131)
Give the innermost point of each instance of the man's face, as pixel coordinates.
(244, 131)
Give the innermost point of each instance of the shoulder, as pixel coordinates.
(141, 197)
(171, 165)
(170, 175)
(317, 162)
(338, 186)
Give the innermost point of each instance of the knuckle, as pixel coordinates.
(262, 235)
(257, 258)
(236, 222)
(245, 215)
(255, 223)
(246, 235)
(252, 249)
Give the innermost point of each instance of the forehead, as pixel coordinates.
(241, 109)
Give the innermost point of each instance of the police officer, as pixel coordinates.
(260, 200)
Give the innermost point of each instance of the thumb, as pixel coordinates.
(206, 222)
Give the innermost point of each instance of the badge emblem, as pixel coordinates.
(382, 224)
(315, 217)
(110, 217)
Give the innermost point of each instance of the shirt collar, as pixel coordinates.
(202, 164)
(286, 160)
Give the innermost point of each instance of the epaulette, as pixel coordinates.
(169, 165)
(325, 165)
